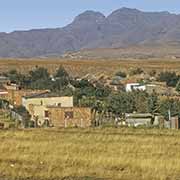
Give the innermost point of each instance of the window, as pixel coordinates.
(46, 113)
(69, 115)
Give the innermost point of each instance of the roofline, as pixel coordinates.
(59, 107)
(36, 97)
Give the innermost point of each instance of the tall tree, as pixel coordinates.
(61, 72)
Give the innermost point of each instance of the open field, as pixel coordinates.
(89, 154)
(82, 67)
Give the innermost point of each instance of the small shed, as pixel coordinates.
(139, 119)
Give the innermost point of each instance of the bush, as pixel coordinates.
(25, 115)
(152, 73)
(121, 74)
(136, 71)
(178, 86)
(31, 124)
(169, 104)
(170, 78)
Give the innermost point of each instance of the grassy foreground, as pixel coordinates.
(89, 154)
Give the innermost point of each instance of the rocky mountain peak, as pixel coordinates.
(90, 16)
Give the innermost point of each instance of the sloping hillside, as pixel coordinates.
(170, 50)
(122, 28)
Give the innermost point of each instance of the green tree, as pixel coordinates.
(140, 101)
(61, 72)
(39, 79)
(169, 104)
(41, 84)
(178, 86)
(62, 80)
(102, 92)
(171, 78)
(83, 89)
(153, 105)
(120, 103)
(99, 109)
(81, 84)
(15, 77)
(59, 84)
(39, 73)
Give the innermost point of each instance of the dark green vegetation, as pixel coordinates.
(171, 78)
(121, 74)
(39, 78)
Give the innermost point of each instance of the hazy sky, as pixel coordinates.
(30, 14)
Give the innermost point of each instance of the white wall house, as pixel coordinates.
(135, 86)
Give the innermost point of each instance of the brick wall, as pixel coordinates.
(70, 117)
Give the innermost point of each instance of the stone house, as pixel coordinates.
(37, 105)
(69, 117)
(57, 116)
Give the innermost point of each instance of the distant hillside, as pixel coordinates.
(145, 51)
(123, 28)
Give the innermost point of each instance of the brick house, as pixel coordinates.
(69, 117)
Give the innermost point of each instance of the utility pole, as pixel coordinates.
(169, 113)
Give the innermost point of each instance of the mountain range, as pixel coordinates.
(123, 28)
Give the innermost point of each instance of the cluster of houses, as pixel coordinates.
(48, 109)
(56, 111)
(141, 82)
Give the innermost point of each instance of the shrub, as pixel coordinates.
(24, 113)
(136, 71)
(121, 74)
(170, 78)
(152, 73)
(178, 86)
(169, 104)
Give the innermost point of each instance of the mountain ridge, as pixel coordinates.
(90, 30)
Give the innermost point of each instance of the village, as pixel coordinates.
(128, 99)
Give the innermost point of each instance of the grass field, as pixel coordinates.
(82, 67)
(89, 154)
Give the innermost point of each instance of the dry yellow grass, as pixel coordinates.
(89, 154)
(82, 67)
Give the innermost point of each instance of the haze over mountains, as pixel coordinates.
(91, 30)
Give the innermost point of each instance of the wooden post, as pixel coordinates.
(65, 123)
(82, 123)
